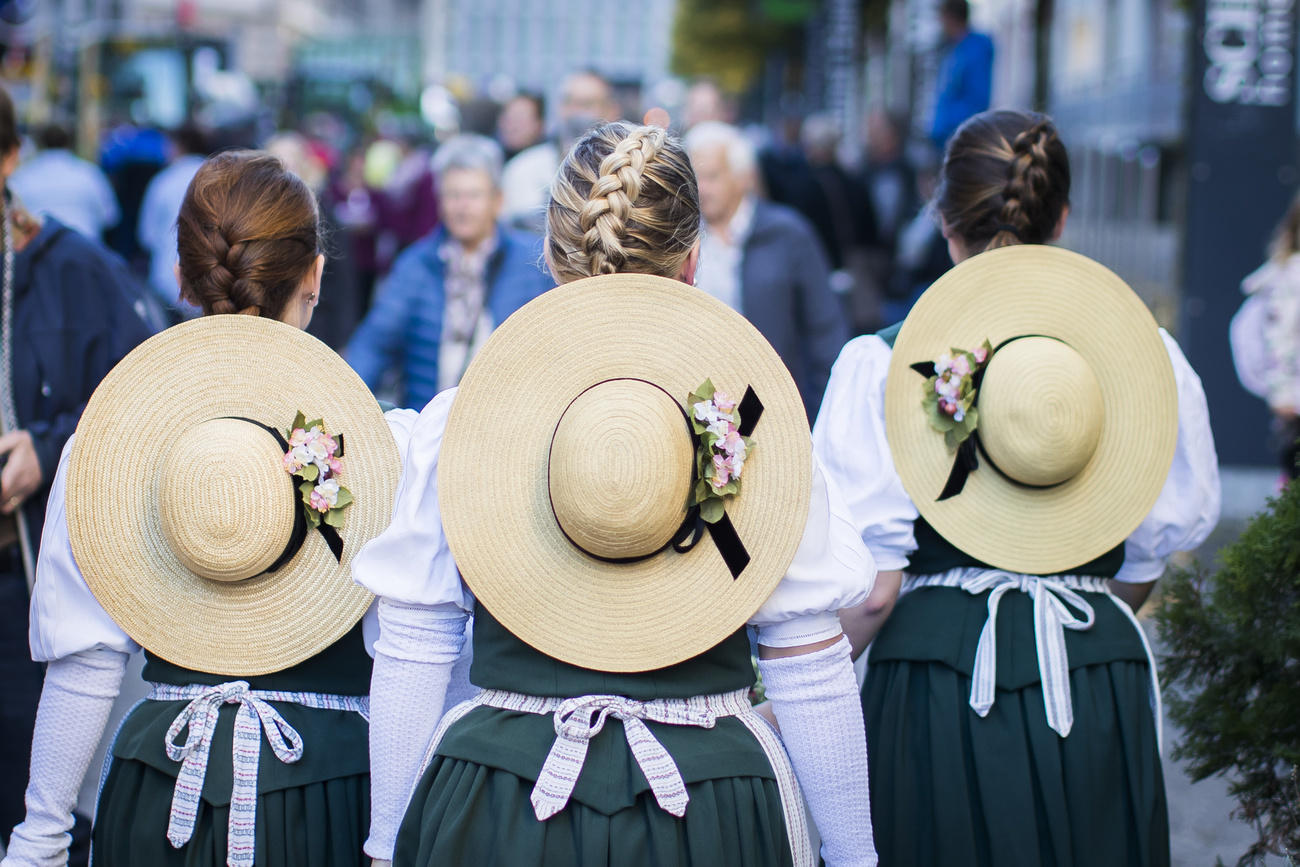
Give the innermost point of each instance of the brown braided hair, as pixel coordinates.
(1005, 180)
(247, 235)
(624, 200)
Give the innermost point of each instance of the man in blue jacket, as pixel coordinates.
(965, 72)
(73, 311)
(448, 290)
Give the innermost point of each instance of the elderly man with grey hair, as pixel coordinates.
(765, 260)
(448, 290)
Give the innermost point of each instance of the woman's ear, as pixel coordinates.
(1060, 224)
(692, 262)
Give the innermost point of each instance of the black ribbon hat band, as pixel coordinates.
(967, 459)
(693, 527)
(298, 537)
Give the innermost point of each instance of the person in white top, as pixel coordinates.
(1008, 695)
(546, 498)
(60, 184)
(586, 99)
(156, 229)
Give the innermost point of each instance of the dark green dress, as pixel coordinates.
(949, 787)
(471, 805)
(312, 813)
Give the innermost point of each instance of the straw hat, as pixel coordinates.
(568, 460)
(178, 500)
(1077, 410)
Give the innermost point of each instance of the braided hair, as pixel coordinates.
(247, 235)
(1005, 180)
(624, 200)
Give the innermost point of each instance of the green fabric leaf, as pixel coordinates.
(712, 510)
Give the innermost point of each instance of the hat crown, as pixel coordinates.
(1041, 411)
(225, 503)
(619, 471)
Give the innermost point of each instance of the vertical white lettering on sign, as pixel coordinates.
(1249, 52)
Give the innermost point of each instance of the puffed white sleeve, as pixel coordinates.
(1188, 506)
(410, 562)
(832, 569)
(400, 423)
(66, 618)
(849, 438)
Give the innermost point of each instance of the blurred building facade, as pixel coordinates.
(533, 45)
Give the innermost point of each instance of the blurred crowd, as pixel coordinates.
(435, 231)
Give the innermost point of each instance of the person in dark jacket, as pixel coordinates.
(73, 311)
(765, 261)
(448, 290)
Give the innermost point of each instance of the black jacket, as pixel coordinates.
(77, 311)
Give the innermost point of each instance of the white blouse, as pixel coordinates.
(66, 618)
(411, 563)
(849, 437)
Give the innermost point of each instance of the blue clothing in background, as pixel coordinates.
(60, 184)
(157, 229)
(965, 84)
(403, 329)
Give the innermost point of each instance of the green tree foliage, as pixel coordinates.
(1232, 673)
(728, 40)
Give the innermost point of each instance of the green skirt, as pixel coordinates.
(320, 824)
(948, 787)
(463, 812)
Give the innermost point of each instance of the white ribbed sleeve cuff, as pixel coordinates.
(414, 656)
(815, 699)
(75, 703)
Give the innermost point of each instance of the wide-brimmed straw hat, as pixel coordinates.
(569, 458)
(180, 497)
(1074, 406)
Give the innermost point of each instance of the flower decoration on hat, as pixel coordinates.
(951, 390)
(315, 460)
(720, 450)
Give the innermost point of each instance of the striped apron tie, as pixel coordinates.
(254, 718)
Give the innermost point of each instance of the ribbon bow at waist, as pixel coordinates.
(578, 720)
(1052, 616)
(253, 718)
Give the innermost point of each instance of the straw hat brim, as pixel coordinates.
(214, 367)
(492, 476)
(1039, 290)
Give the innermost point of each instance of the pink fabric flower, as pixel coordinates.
(981, 355)
(723, 402)
(721, 473)
(961, 365)
(734, 445)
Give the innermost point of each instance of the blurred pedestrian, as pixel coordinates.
(1010, 696)
(522, 123)
(1266, 336)
(340, 305)
(965, 72)
(449, 290)
(764, 260)
(705, 101)
(66, 317)
(586, 99)
(891, 187)
(58, 183)
(844, 219)
(158, 211)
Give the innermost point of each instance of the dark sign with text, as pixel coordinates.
(1242, 174)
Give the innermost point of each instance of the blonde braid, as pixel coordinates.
(609, 205)
(624, 201)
